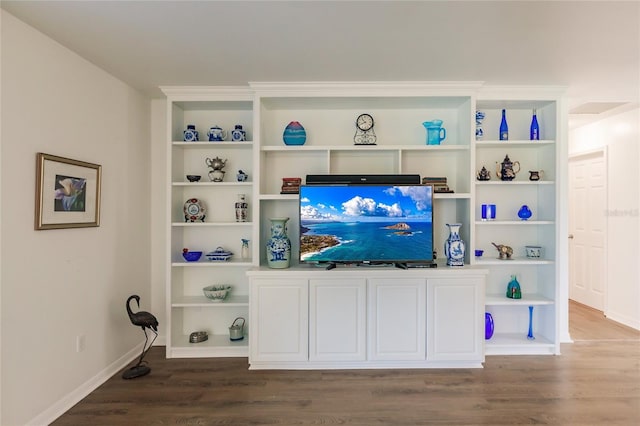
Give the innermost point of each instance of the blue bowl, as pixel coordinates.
(192, 256)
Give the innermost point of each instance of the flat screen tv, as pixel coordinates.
(366, 224)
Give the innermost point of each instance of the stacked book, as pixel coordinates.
(439, 184)
(291, 185)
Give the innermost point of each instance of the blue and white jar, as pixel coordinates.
(454, 247)
(278, 245)
(191, 134)
(238, 134)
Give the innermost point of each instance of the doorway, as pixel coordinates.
(587, 229)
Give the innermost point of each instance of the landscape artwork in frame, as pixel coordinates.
(67, 193)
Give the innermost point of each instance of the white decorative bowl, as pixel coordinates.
(219, 254)
(217, 293)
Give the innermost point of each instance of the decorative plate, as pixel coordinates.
(194, 210)
(219, 254)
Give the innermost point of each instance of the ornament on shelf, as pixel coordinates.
(244, 249)
(454, 247)
(216, 134)
(534, 130)
(513, 289)
(294, 134)
(479, 130)
(530, 334)
(524, 213)
(364, 130)
(216, 174)
(242, 208)
(504, 252)
(238, 134)
(435, 132)
(488, 326)
(190, 134)
(483, 174)
(505, 170)
(278, 245)
(504, 128)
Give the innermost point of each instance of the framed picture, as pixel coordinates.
(67, 193)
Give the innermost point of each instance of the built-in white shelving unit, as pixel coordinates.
(328, 112)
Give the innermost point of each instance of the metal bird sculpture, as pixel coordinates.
(145, 320)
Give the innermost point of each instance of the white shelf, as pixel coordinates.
(210, 224)
(514, 222)
(216, 184)
(527, 300)
(513, 261)
(216, 346)
(207, 144)
(294, 148)
(204, 263)
(452, 196)
(279, 197)
(203, 302)
(518, 344)
(521, 143)
(515, 182)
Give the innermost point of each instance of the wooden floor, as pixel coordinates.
(596, 381)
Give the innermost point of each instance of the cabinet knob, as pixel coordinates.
(571, 236)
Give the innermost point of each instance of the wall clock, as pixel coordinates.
(364, 130)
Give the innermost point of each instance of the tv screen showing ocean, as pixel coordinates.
(396, 239)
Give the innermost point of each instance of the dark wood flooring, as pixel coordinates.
(596, 381)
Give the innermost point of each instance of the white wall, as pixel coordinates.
(59, 284)
(620, 135)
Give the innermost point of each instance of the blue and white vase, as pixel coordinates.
(479, 130)
(278, 245)
(294, 134)
(191, 134)
(454, 247)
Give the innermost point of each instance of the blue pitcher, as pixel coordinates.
(435, 132)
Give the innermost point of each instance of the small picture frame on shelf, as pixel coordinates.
(67, 193)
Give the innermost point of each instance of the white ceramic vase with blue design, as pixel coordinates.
(278, 245)
(454, 247)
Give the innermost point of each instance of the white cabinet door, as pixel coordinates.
(455, 314)
(337, 312)
(396, 325)
(279, 320)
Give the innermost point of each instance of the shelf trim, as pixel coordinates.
(523, 142)
(527, 300)
(297, 148)
(513, 261)
(203, 302)
(217, 184)
(209, 224)
(212, 264)
(516, 182)
(451, 196)
(514, 222)
(212, 144)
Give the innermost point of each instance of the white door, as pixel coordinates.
(337, 319)
(587, 229)
(397, 319)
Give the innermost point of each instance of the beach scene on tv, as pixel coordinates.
(374, 223)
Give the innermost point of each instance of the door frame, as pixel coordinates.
(579, 156)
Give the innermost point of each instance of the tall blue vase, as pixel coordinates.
(454, 247)
(278, 245)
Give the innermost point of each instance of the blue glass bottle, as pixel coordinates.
(504, 128)
(534, 131)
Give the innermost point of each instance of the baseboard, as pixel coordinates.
(64, 404)
(623, 319)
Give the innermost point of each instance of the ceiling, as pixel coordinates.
(592, 47)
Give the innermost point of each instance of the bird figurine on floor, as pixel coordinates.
(145, 320)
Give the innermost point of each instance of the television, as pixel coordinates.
(371, 224)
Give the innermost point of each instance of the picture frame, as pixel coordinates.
(67, 193)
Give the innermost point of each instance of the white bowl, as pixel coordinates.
(216, 293)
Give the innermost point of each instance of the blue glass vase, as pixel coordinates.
(488, 326)
(513, 289)
(524, 213)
